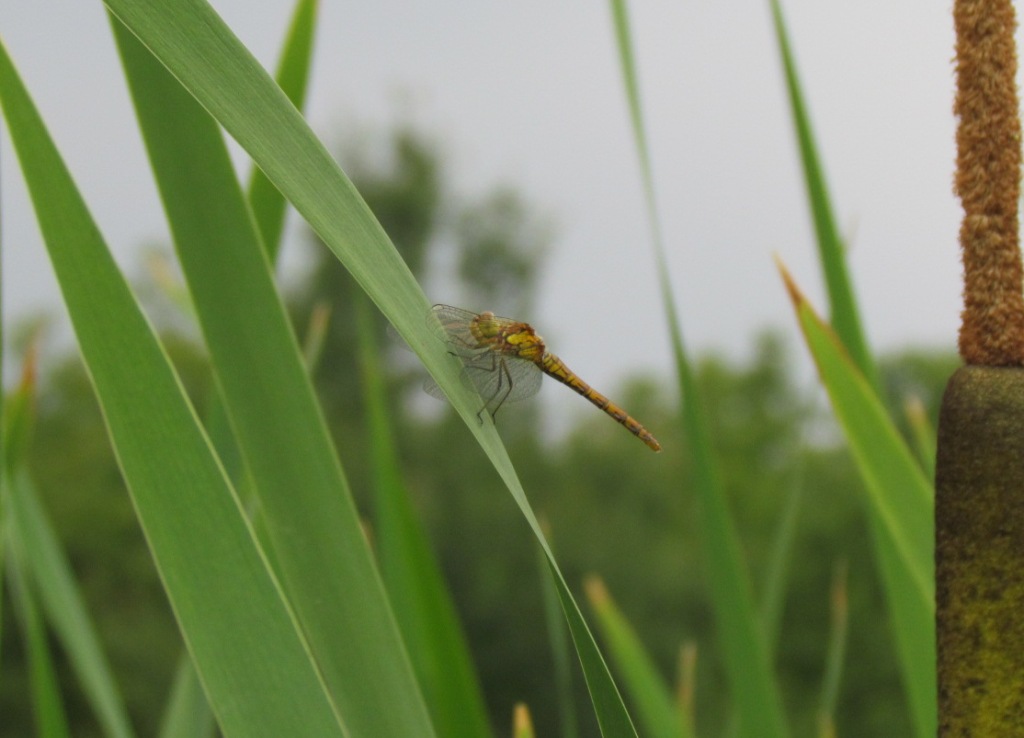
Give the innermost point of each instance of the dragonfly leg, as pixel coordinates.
(504, 383)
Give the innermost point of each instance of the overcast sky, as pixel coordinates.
(529, 94)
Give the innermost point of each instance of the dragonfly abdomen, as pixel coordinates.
(556, 368)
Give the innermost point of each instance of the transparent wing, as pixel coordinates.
(497, 378)
(498, 382)
(452, 325)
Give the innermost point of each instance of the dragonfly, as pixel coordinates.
(505, 359)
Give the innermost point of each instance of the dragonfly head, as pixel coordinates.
(507, 336)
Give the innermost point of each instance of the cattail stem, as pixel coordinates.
(979, 554)
(979, 503)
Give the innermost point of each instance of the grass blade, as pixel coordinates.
(773, 596)
(47, 704)
(923, 434)
(901, 501)
(256, 670)
(844, 315)
(912, 620)
(836, 654)
(656, 706)
(268, 205)
(188, 713)
(64, 606)
(327, 572)
(753, 686)
(560, 654)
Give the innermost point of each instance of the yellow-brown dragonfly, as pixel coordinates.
(504, 360)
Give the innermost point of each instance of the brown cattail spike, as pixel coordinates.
(988, 182)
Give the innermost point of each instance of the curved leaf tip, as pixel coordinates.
(787, 279)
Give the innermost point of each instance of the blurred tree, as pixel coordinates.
(500, 246)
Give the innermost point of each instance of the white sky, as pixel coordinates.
(529, 94)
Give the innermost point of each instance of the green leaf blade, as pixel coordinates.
(657, 709)
(268, 205)
(255, 669)
(901, 505)
(64, 607)
(327, 571)
(752, 684)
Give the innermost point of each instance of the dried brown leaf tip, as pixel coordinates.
(988, 182)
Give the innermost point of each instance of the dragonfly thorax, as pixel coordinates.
(508, 337)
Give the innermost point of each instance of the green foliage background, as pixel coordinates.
(609, 514)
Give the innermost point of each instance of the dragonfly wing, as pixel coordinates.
(451, 325)
(433, 389)
(499, 380)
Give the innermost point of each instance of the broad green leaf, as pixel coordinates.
(657, 710)
(244, 641)
(752, 684)
(411, 573)
(322, 558)
(202, 53)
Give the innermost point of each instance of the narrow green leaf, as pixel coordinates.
(268, 205)
(901, 501)
(773, 597)
(268, 208)
(202, 53)
(188, 713)
(923, 434)
(656, 707)
(753, 686)
(253, 662)
(844, 314)
(899, 491)
(65, 609)
(47, 703)
(327, 571)
(613, 722)
(911, 620)
(560, 654)
(412, 576)
(836, 653)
